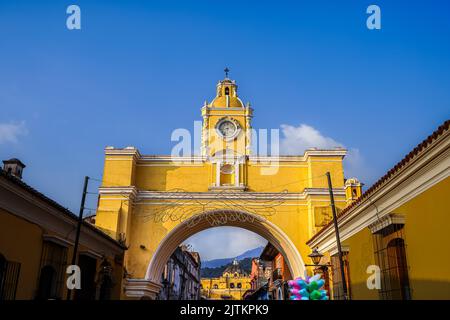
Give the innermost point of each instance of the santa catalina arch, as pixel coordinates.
(154, 202)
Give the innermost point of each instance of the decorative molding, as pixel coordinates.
(139, 288)
(301, 158)
(58, 240)
(130, 191)
(128, 151)
(200, 159)
(334, 250)
(169, 158)
(91, 254)
(151, 195)
(386, 221)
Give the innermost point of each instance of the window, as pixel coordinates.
(239, 285)
(53, 265)
(216, 286)
(338, 288)
(232, 285)
(390, 254)
(227, 91)
(9, 278)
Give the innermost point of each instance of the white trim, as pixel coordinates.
(344, 248)
(137, 288)
(58, 240)
(386, 221)
(150, 195)
(91, 254)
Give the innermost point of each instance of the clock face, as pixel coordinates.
(227, 128)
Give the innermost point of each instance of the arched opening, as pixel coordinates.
(261, 226)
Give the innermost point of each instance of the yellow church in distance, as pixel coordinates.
(233, 283)
(153, 203)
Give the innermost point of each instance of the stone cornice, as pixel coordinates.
(128, 151)
(138, 288)
(142, 159)
(127, 191)
(176, 195)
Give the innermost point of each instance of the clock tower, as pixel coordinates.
(226, 134)
(226, 122)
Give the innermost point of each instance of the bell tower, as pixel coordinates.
(226, 121)
(226, 133)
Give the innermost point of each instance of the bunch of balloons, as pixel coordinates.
(307, 289)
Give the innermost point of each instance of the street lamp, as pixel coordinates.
(315, 256)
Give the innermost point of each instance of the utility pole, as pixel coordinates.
(80, 222)
(338, 239)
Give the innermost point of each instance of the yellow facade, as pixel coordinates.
(157, 202)
(219, 288)
(232, 284)
(410, 207)
(31, 225)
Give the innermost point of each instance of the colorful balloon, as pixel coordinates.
(307, 289)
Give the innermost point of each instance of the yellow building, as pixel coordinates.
(394, 236)
(233, 283)
(37, 238)
(155, 202)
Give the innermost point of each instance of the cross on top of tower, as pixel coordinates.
(226, 72)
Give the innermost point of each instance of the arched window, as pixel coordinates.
(398, 269)
(215, 286)
(232, 285)
(390, 254)
(227, 91)
(47, 283)
(239, 285)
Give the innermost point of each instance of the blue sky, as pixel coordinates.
(136, 71)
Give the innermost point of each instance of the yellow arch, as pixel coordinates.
(261, 226)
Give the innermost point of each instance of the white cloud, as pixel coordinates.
(295, 140)
(10, 132)
(224, 242)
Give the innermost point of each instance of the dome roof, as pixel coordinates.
(226, 95)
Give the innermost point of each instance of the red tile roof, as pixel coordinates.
(377, 185)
